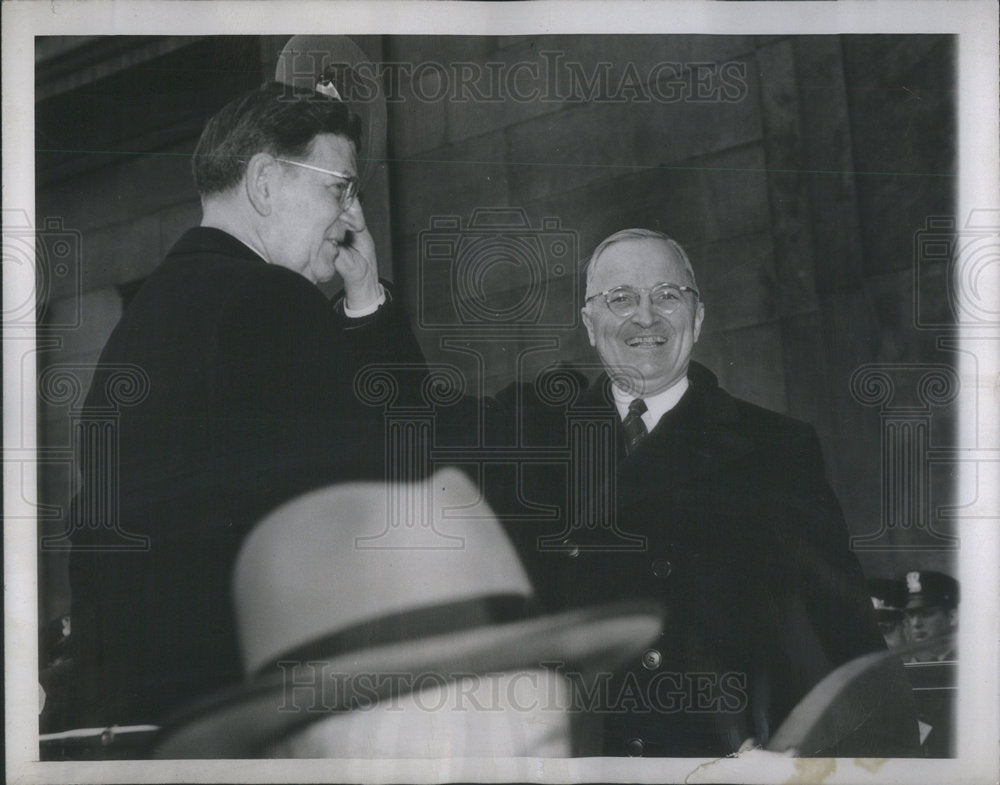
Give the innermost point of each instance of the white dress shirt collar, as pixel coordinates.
(656, 405)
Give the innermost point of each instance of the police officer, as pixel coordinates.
(931, 618)
(931, 613)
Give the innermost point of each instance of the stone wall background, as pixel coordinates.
(800, 173)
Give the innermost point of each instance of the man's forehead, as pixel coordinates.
(926, 610)
(333, 151)
(638, 260)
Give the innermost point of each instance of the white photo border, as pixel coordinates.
(974, 23)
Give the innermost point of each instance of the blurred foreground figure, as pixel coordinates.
(239, 395)
(679, 493)
(362, 639)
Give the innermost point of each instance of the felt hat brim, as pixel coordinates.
(238, 722)
(926, 600)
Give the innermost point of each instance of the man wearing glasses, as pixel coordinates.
(714, 507)
(249, 371)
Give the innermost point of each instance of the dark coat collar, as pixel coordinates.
(703, 430)
(207, 239)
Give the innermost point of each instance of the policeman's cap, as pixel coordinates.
(888, 598)
(926, 588)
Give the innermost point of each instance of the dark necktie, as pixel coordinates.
(635, 428)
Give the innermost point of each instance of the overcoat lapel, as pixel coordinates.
(696, 437)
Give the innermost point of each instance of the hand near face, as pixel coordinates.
(357, 265)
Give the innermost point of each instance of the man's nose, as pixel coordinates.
(644, 314)
(353, 217)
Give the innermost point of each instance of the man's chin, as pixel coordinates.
(325, 269)
(634, 382)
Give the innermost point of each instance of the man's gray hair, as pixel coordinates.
(638, 234)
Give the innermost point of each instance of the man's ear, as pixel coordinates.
(260, 182)
(699, 316)
(588, 321)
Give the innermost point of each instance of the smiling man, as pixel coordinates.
(643, 315)
(718, 509)
(249, 374)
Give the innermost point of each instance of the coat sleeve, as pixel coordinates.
(289, 414)
(385, 336)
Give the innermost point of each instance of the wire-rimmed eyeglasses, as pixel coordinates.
(348, 192)
(664, 297)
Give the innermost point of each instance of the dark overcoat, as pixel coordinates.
(723, 515)
(245, 399)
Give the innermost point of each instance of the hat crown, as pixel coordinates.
(886, 593)
(335, 559)
(928, 587)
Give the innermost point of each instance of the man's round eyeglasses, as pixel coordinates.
(348, 191)
(664, 297)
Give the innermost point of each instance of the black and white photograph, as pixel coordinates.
(501, 392)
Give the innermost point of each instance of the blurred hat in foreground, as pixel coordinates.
(359, 593)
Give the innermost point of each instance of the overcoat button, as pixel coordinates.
(651, 659)
(634, 748)
(662, 568)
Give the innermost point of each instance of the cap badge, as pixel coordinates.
(325, 86)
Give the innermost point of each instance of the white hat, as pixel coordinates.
(348, 584)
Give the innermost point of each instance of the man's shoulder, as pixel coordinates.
(209, 253)
(228, 282)
(721, 406)
(768, 421)
(206, 292)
